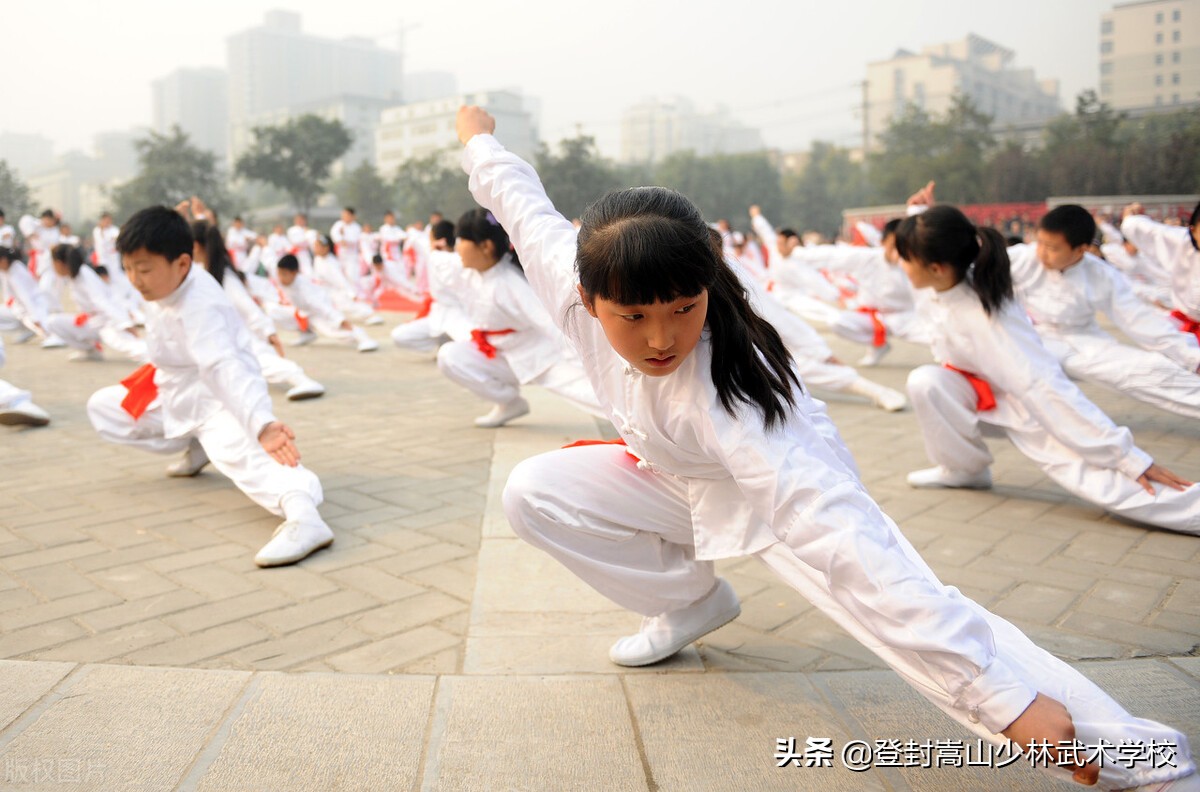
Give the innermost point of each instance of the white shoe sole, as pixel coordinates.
(274, 562)
(674, 649)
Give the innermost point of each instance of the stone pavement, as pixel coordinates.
(430, 649)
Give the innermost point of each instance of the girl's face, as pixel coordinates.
(939, 277)
(61, 269)
(478, 256)
(654, 338)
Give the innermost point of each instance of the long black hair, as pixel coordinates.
(1195, 218)
(651, 244)
(215, 253)
(69, 255)
(479, 226)
(943, 235)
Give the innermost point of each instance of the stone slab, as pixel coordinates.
(24, 683)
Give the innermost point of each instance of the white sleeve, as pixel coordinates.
(255, 318)
(1167, 244)
(1145, 327)
(766, 233)
(238, 386)
(843, 258)
(21, 291)
(100, 296)
(545, 241)
(792, 478)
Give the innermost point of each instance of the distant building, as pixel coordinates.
(78, 185)
(1150, 55)
(197, 101)
(429, 85)
(26, 153)
(656, 128)
(276, 72)
(416, 130)
(972, 67)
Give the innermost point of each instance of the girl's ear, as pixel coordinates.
(587, 304)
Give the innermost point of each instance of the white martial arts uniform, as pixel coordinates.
(100, 319)
(713, 485)
(345, 238)
(314, 302)
(796, 283)
(391, 241)
(8, 237)
(104, 241)
(11, 396)
(275, 369)
(1044, 414)
(238, 241)
(1063, 307)
(302, 240)
(209, 388)
(450, 289)
(22, 301)
(528, 348)
(329, 275)
(1173, 248)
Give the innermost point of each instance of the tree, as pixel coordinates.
(1082, 155)
(1014, 174)
(829, 183)
(365, 190)
(1160, 153)
(295, 156)
(15, 199)
(429, 183)
(170, 170)
(577, 175)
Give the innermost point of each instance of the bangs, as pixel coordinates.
(646, 259)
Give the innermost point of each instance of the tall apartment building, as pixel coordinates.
(1150, 55)
(654, 129)
(197, 101)
(973, 67)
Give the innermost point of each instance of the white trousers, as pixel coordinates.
(493, 379)
(275, 369)
(945, 406)
(239, 457)
(417, 335)
(284, 317)
(859, 328)
(1147, 376)
(627, 533)
(95, 331)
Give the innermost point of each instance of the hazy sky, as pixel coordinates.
(790, 68)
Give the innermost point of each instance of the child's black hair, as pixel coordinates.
(788, 233)
(479, 226)
(50, 213)
(1012, 239)
(69, 255)
(216, 255)
(890, 227)
(1075, 223)
(156, 229)
(377, 259)
(288, 262)
(101, 270)
(1195, 218)
(7, 254)
(943, 235)
(443, 229)
(651, 244)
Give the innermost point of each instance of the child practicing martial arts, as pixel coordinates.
(1177, 248)
(1062, 287)
(203, 393)
(99, 321)
(727, 456)
(996, 373)
(16, 405)
(311, 310)
(443, 315)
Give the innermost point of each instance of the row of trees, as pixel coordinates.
(1092, 151)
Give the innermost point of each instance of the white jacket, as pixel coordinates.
(1172, 247)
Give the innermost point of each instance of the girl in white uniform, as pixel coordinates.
(16, 405)
(1178, 249)
(513, 341)
(104, 246)
(209, 252)
(329, 275)
(997, 374)
(736, 460)
(1062, 288)
(302, 238)
(443, 315)
(100, 320)
(203, 394)
(23, 305)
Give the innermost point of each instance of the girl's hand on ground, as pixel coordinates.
(1046, 720)
(472, 121)
(277, 439)
(1162, 476)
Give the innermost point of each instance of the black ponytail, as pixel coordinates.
(479, 226)
(650, 244)
(944, 235)
(216, 254)
(69, 255)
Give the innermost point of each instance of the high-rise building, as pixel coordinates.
(197, 101)
(276, 71)
(972, 67)
(1150, 55)
(416, 130)
(26, 153)
(656, 128)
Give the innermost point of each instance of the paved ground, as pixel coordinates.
(430, 649)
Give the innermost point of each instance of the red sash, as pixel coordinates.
(301, 321)
(880, 338)
(81, 319)
(33, 257)
(618, 441)
(984, 398)
(142, 391)
(480, 339)
(426, 306)
(1186, 323)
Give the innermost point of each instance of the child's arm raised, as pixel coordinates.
(508, 186)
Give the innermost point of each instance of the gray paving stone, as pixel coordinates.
(24, 683)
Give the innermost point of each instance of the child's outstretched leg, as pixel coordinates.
(627, 533)
(945, 405)
(491, 379)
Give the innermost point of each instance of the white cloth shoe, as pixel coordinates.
(305, 389)
(53, 342)
(305, 338)
(942, 478)
(881, 396)
(503, 413)
(294, 540)
(875, 356)
(367, 345)
(664, 635)
(373, 319)
(24, 414)
(192, 462)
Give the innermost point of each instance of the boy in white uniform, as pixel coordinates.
(204, 395)
(346, 234)
(1177, 248)
(317, 309)
(302, 238)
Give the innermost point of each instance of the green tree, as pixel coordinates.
(429, 183)
(15, 199)
(295, 156)
(1160, 153)
(1082, 154)
(171, 169)
(1014, 174)
(576, 175)
(365, 190)
(829, 183)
